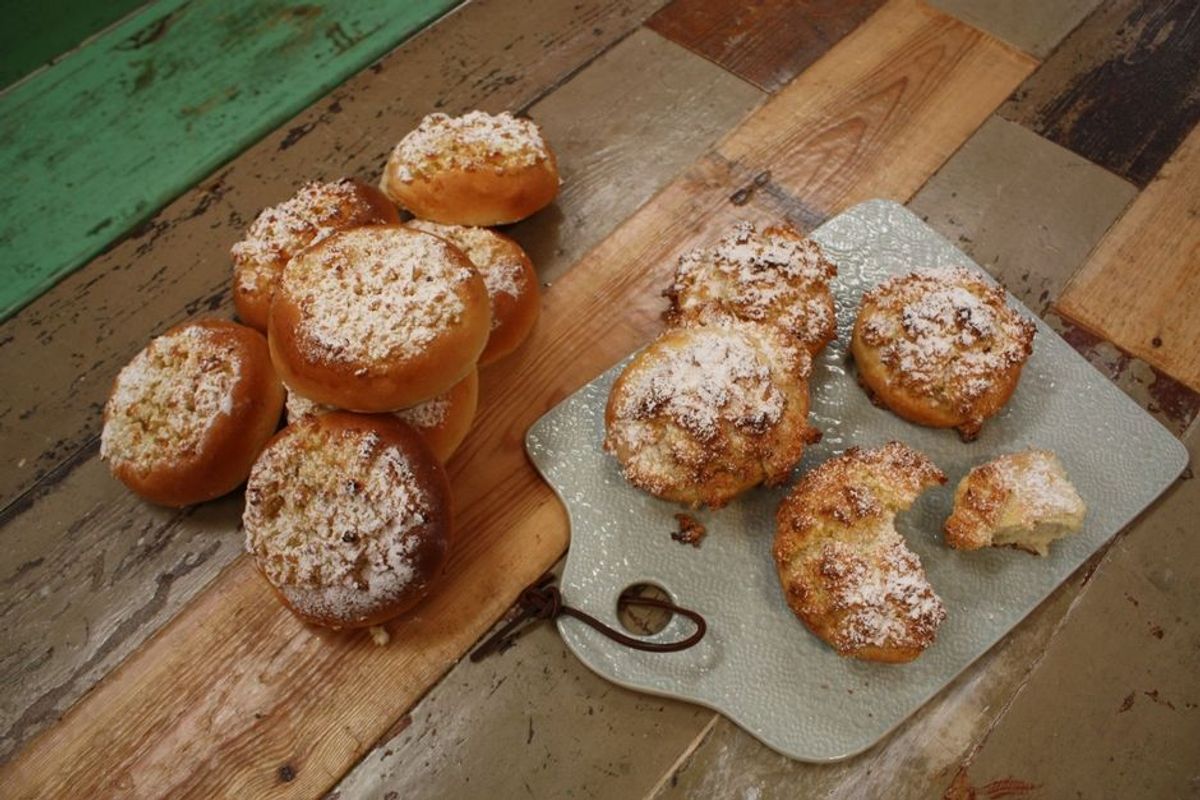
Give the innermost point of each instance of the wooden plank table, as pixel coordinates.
(143, 656)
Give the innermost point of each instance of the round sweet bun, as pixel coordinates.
(378, 318)
(315, 212)
(189, 414)
(478, 169)
(941, 348)
(348, 518)
(774, 276)
(443, 422)
(511, 282)
(706, 412)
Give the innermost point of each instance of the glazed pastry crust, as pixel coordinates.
(376, 319)
(1023, 500)
(845, 570)
(478, 169)
(708, 411)
(315, 212)
(511, 281)
(940, 348)
(178, 471)
(777, 276)
(442, 422)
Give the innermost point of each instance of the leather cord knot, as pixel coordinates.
(543, 600)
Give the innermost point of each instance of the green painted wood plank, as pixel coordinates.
(96, 143)
(34, 33)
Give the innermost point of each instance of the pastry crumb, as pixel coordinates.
(691, 530)
(379, 635)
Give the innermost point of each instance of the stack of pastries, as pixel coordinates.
(370, 331)
(718, 404)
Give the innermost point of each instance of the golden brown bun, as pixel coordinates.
(777, 277)
(708, 411)
(189, 414)
(280, 232)
(378, 318)
(348, 517)
(443, 422)
(1023, 500)
(845, 571)
(940, 348)
(478, 169)
(509, 276)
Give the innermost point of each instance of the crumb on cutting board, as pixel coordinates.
(691, 530)
(379, 635)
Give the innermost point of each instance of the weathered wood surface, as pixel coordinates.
(1141, 288)
(1026, 209)
(34, 34)
(1123, 90)
(516, 528)
(169, 94)
(767, 42)
(90, 571)
(1035, 26)
(1113, 707)
(622, 128)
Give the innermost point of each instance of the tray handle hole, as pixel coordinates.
(644, 620)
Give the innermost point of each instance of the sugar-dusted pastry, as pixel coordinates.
(189, 414)
(511, 282)
(708, 411)
(348, 518)
(378, 318)
(775, 276)
(940, 348)
(477, 169)
(1022, 500)
(280, 232)
(845, 570)
(443, 422)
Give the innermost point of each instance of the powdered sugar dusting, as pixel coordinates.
(945, 332)
(166, 399)
(332, 518)
(429, 414)
(497, 259)
(373, 294)
(715, 377)
(474, 141)
(315, 212)
(775, 276)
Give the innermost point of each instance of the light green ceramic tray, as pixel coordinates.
(758, 665)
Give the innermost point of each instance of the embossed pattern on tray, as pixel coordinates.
(759, 665)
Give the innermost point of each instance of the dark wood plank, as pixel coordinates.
(1123, 90)
(767, 42)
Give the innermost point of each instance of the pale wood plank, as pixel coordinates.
(1141, 288)
(88, 571)
(336, 697)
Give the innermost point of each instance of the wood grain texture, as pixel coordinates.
(622, 128)
(1025, 209)
(1123, 90)
(101, 140)
(1035, 26)
(531, 722)
(909, 81)
(88, 571)
(767, 42)
(36, 33)
(198, 684)
(1128, 715)
(58, 355)
(1141, 288)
